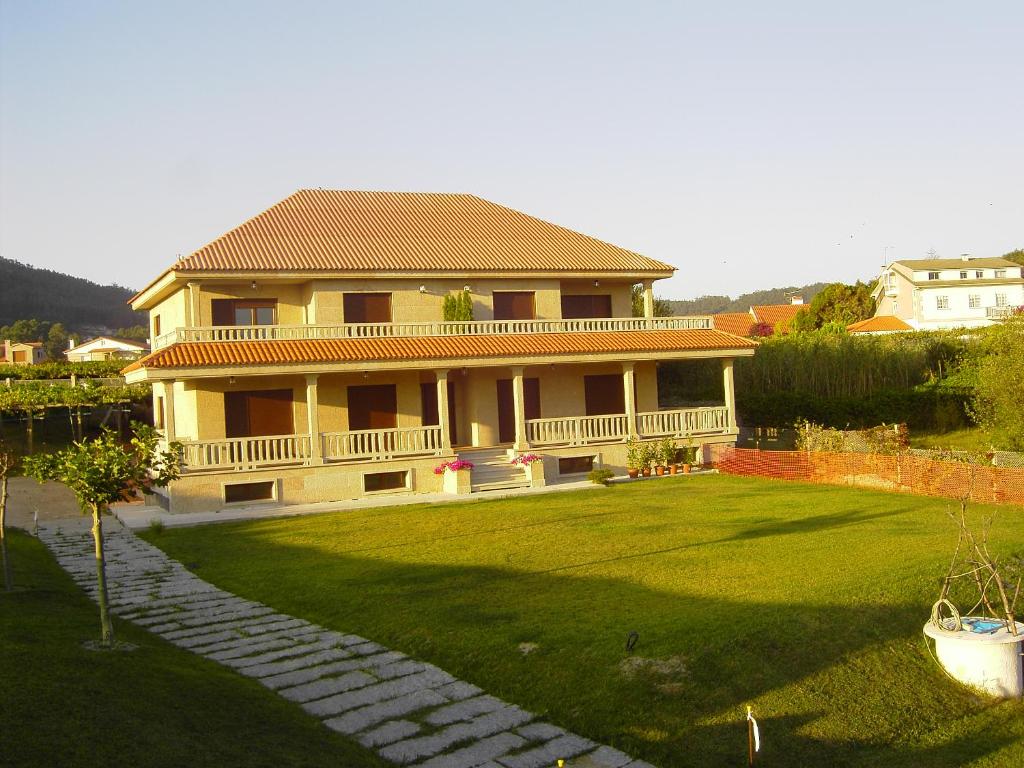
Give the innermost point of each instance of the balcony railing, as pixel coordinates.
(382, 444)
(405, 330)
(246, 453)
(240, 453)
(683, 421)
(577, 430)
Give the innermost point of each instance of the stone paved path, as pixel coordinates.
(408, 711)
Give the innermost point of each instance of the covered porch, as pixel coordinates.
(254, 422)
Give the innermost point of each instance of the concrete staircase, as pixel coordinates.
(492, 470)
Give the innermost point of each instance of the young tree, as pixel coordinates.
(56, 341)
(8, 460)
(102, 471)
(661, 306)
(838, 303)
(1000, 388)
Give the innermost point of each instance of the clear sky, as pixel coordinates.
(751, 144)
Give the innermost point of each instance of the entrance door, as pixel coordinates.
(258, 413)
(507, 407)
(604, 394)
(428, 403)
(372, 406)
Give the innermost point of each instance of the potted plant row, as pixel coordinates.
(666, 456)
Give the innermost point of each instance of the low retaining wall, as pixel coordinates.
(903, 473)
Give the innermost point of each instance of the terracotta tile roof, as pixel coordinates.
(200, 354)
(340, 231)
(739, 323)
(879, 323)
(776, 315)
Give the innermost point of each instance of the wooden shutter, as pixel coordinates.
(367, 307)
(223, 311)
(513, 305)
(586, 305)
(604, 394)
(256, 413)
(372, 406)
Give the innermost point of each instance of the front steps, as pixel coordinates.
(492, 470)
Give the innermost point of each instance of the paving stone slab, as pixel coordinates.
(607, 757)
(400, 669)
(478, 753)
(549, 753)
(366, 717)
(464, 710)
(410, 750)
(459, 690)
(541, 731)
(328, 686)
(299, 649)
(335, 705)
(303, 669)
(388, 733)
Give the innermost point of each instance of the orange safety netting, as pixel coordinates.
(902, 473)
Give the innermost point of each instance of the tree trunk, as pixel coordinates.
(107, 628)
(8, 576)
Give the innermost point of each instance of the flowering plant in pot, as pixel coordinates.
(453, 466)
(526, 459)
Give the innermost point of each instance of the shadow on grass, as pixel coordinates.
(848, 686)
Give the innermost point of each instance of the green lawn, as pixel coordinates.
(968, 439)
(63, 705)
(805, 601)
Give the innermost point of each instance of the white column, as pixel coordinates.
(519, 406)
(729, 389)
(316, 455)
(442, 410)
(629, 390)
(192, 314)
(649, 299)
(169, 432)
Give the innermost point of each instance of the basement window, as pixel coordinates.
(376, 482)
(575, 465)
(242, 493)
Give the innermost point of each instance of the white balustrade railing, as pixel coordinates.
(683, 421)
(577, 430)
(440, 328)
(241, 453)
(382, 444)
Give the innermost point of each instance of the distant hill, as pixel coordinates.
(712, 305)
(83, 306)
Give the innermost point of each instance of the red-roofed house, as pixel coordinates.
(305, 356)
(23, 352)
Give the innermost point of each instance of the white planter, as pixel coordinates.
(990, 662)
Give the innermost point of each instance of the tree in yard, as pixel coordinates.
(102, 471)
(838, 303)
(8, 460)
(1000, 386)
(56, 341)
(1015, 256)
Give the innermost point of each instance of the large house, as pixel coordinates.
(931, 294)
(304, 356)
(759, 320)
(104, 348)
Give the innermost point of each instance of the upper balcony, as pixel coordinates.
(228, 333)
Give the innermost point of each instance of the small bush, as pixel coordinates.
(156, 526)
(600, 476)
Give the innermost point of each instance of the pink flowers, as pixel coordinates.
(454, 466)
(527, 458)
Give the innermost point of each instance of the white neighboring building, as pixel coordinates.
(105, 348)
(931, 294)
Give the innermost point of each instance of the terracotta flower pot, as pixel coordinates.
(633, 473)
(673, 469)
(659, 470)
(646, 471)
(686, 469)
